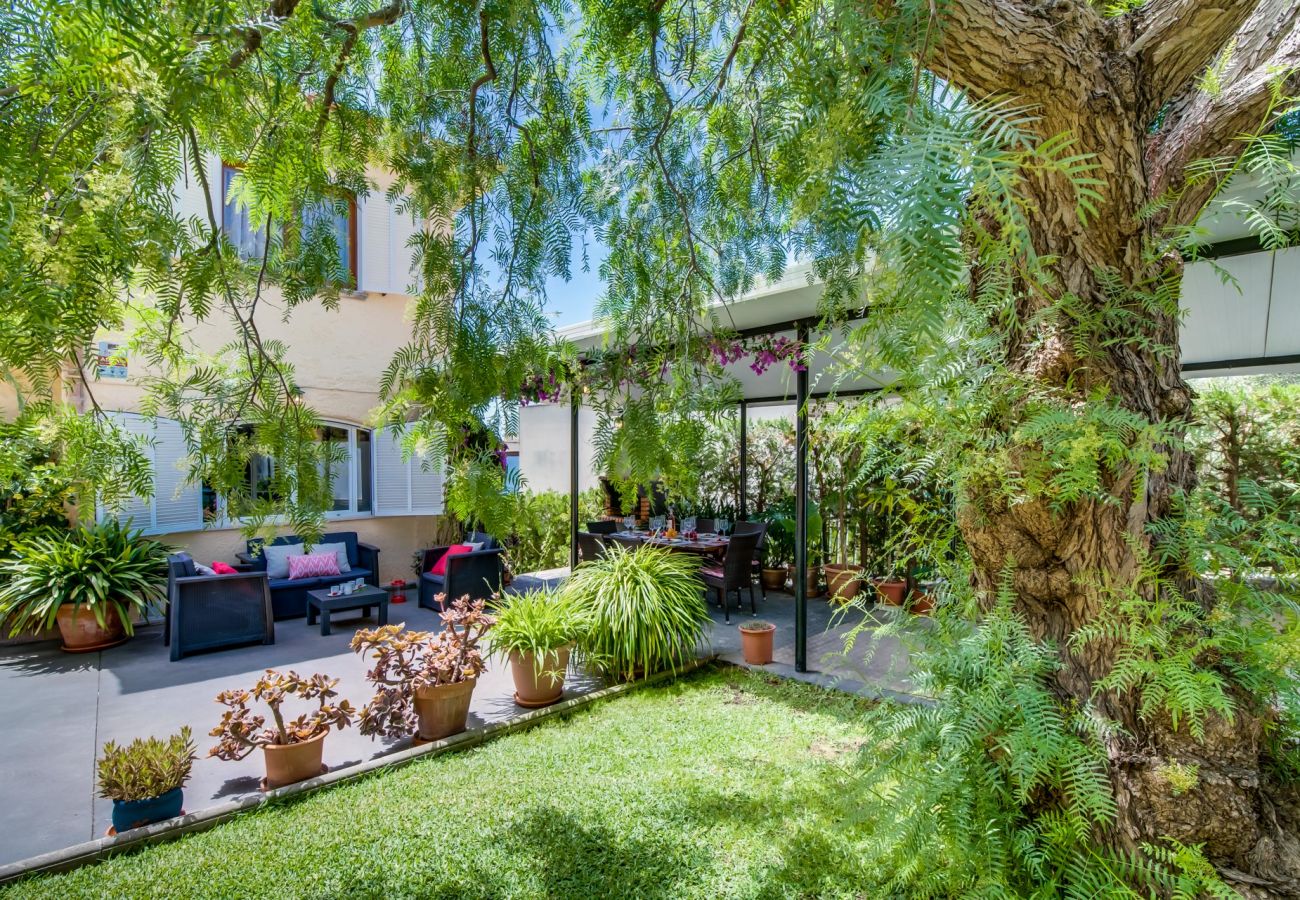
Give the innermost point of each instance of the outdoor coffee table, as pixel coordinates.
(319, 602)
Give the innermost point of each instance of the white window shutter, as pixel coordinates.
(405, 274)
(403, 487)
(374, 235)
(177, 503)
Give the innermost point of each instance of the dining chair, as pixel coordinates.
(590, 546)
(602, 527)
(706, 526)
(759, 528)
(735, 572)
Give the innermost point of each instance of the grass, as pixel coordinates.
(724, 784)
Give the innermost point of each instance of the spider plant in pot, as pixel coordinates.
(536, 631)
(756, 642)
(293, 749)
(146, 779)
(424, 680)
(778, 552)
(645, 610)
(89, 582)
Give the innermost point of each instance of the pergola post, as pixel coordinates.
(743, 512)
(801, 513)
(573, 480)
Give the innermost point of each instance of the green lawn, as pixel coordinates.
(724, 784)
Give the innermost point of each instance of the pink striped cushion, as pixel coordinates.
(313, 565)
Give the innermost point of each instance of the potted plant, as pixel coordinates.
(536, 631)
(145, 779)
(293, 750)
(89, 582)
(424, 680)
(644, 607)
(756, 642)
(779, 550)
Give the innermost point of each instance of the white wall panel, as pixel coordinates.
(1226, 320)
(1284, 305)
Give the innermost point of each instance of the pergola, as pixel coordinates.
(1246, 327)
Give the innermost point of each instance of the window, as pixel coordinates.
(339, 217)
(249, 239)
(341, 220)
(351, 468)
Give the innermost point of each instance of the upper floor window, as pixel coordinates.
(248, 237)
(338, 217)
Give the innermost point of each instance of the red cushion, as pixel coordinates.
(224, 568)
(440, 567)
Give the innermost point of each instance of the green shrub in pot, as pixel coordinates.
(101, 573)
(536, 631)
(646, 610)
(144, 779)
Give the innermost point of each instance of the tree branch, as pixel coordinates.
(1200, 124)
(352, 28)
(276, 12)
(1174, 40)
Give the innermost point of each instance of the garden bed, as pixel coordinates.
(726, 783)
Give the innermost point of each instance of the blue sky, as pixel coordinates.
(572, 301)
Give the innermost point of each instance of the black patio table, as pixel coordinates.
(319, 602)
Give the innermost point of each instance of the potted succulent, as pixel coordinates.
(293, 750)
(644, 608)
(537, 631)
(145, 779)
(756, 642)
(424, 680)
(89, 582)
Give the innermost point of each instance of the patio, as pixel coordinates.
(62, 708)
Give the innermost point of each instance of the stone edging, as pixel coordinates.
(101, 848)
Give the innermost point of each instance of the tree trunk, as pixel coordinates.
(1090, 88)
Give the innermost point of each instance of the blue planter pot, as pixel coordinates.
(128, 814)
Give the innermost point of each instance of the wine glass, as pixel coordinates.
(629, 524)
(688, 524)
(657, 524)
(724, 525)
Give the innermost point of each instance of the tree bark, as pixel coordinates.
(1099, 80)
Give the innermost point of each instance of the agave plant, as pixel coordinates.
(104, 568)
(645, 608)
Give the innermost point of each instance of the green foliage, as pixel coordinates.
(101, 568)
(645, 608)
(537, 623)
(146, 767)
(539, 531)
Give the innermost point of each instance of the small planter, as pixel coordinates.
(814, 586)
(81, 633)
(922, 603)
(443, 709)
(128, 814)
(291, 763)
(774, 579)
(891, 591)
(843, 581)
(756, 642)
(535, 689)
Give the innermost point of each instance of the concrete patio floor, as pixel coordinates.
(59, 708)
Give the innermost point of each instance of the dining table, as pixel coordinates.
(703, 545)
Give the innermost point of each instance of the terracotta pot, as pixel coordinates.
(757, 645)
(814, 588)
(922, 603)
(891, 591)
(533, 688)
(843, 581)
(82, 634)
(774, 579)
(291, 763)
(443, 709)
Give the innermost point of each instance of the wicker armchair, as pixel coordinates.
(207, 612)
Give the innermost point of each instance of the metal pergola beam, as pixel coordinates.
(744, 461)
(573, 480)
(801, 515)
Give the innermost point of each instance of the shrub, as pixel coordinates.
(538, 622)
(646, 610)
(240, 732)
(408, 660)
(101, 567)
(148, 767)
